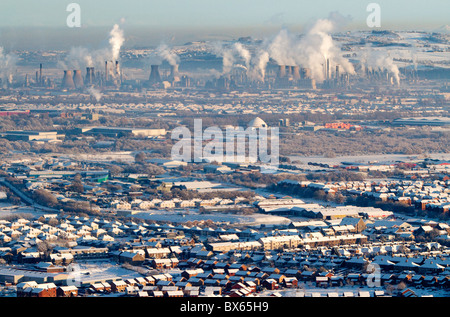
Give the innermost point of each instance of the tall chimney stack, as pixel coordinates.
(106, 72)
(328, 68)
(40, 74)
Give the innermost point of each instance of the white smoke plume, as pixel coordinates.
(7, 66)
(379, 60)
(258, 66)
(168, 55)
(312, 50)
(81, 57)
(236, 55)
(95, 93)
(116, 41)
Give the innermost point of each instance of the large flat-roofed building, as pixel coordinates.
(21, 135)
(118, 131)
(431, 121)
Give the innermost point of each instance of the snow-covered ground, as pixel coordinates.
(367, 158)
(178, 217)
(98, 270)
(351, 291)
(7, 210)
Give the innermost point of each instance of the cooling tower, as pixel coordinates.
(296, 72)
(174, 75)
(154, 75)
(281, 71)
(305, 73)
(77, 78)
(288, 70)
(67, 81)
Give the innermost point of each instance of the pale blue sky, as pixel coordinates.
(185, 19)
(204, 13)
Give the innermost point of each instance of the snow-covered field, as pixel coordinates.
(367, 158)
(351, 291)
(7, 210)
(98, 270)
(126, 156)
(177, 217)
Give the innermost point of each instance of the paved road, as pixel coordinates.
(25, 198)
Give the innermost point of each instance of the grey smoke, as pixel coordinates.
(7, 66)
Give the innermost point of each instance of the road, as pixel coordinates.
(25, 198)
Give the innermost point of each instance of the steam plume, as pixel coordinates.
(7, 65)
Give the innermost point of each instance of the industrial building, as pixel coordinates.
(38, 136)
(117, 131)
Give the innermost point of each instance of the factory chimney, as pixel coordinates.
(106, 72)
(337, 72)
(328, 68)
(90, 75)
(155, 77)
(67, 81)
(117, 67)
(77, 79)
(40, 74)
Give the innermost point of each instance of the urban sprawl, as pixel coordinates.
(93, 203)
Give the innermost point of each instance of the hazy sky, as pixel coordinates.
(22, 21)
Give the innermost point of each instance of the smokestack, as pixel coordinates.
(117, 68)
(106, 72)
(296, 72)
(77, 79)
(67, 81)
(40, 74)
(155, 77)
(281, 71)
(328, 68)
(337, 72)
(88, 78)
